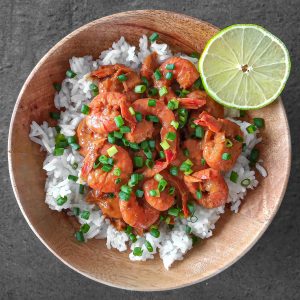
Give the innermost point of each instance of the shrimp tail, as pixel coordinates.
(207, 120)
(191, 103)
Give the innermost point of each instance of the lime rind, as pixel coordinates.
(266, 33)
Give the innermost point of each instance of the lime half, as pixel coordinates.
(244, 66)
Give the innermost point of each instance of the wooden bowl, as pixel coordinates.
(235, 233)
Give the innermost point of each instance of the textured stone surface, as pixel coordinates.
(28, 29)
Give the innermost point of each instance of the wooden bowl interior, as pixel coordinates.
(235, 233)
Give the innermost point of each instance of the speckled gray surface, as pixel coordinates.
(28, 29)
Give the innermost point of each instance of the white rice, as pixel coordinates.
(172, 244)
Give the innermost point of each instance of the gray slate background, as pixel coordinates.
(28, 29)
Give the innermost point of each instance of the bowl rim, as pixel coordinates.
(265, 225)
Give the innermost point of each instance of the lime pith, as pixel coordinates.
(244, 66)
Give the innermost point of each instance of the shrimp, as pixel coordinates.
(165, 116)
(86, 137)
(211, 185)
(106, 181)
(142, 131)
(108, 203)
(185, 73)
(195, 151)
(104, 108)
(149, 65)
(220, 138)
(138, 215)
(161, 202)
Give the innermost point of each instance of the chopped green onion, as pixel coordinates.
(198, 194)
(106, 168)
(245, 182)
(132, 237)
(155, 232)
(152, 118)
(71, 139)
(76, 211)
(174, 170)
(124, 129)
(140, 89)
(171, 190)
(153, 193)
(195, 239)
(171, 136)
(168, 220)
(138, 116)
(195, 55)
(61, 200)
(254, 155)
(138, 161)
(149, 163)
(151, 144)
(163, 91)
(73, 178)
(125, 142)
(58, 151)
(75, 146)
(58, 129)
(186, 166)
(183, 116)
(110, 161)
(85, 228)
(118, 134)
(81, 189)
(54, 115)
(75, 165)
(199, 132)
(85, 214)
(139, 193)
(157, 74)
(188, 229)
(229, 143)
(153, 37)
(242, 113)
(70, 74)
(251, 129)
(182, 93)
(149, 246)
(191, 207)
(134, 146)
(244, 147)
(203, 162)
(259, 122)
(111, 138)
(145, 145)
(119, 121)
(112, 151)
(122, 77)
(118, 181)
(79, 236)
(123, 196)
(175, 124)
(170, 66)
(173, 104)
(239, 138)
(126, 189)
(128, 229)
(165, 145)
(57, 86)
(151, 102)
(234, 176)
(145, 81)
(162, 185)
(153, 91)
(162, 154)
(63, 144)
(85, 109)
(137, 251)
(226, 156)
(94, 89)
(198, 84)
(174, 211)
(117, 171)
(188, 172)
(158, 177)
(131, 110)
(186, 152)
(169, 75)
